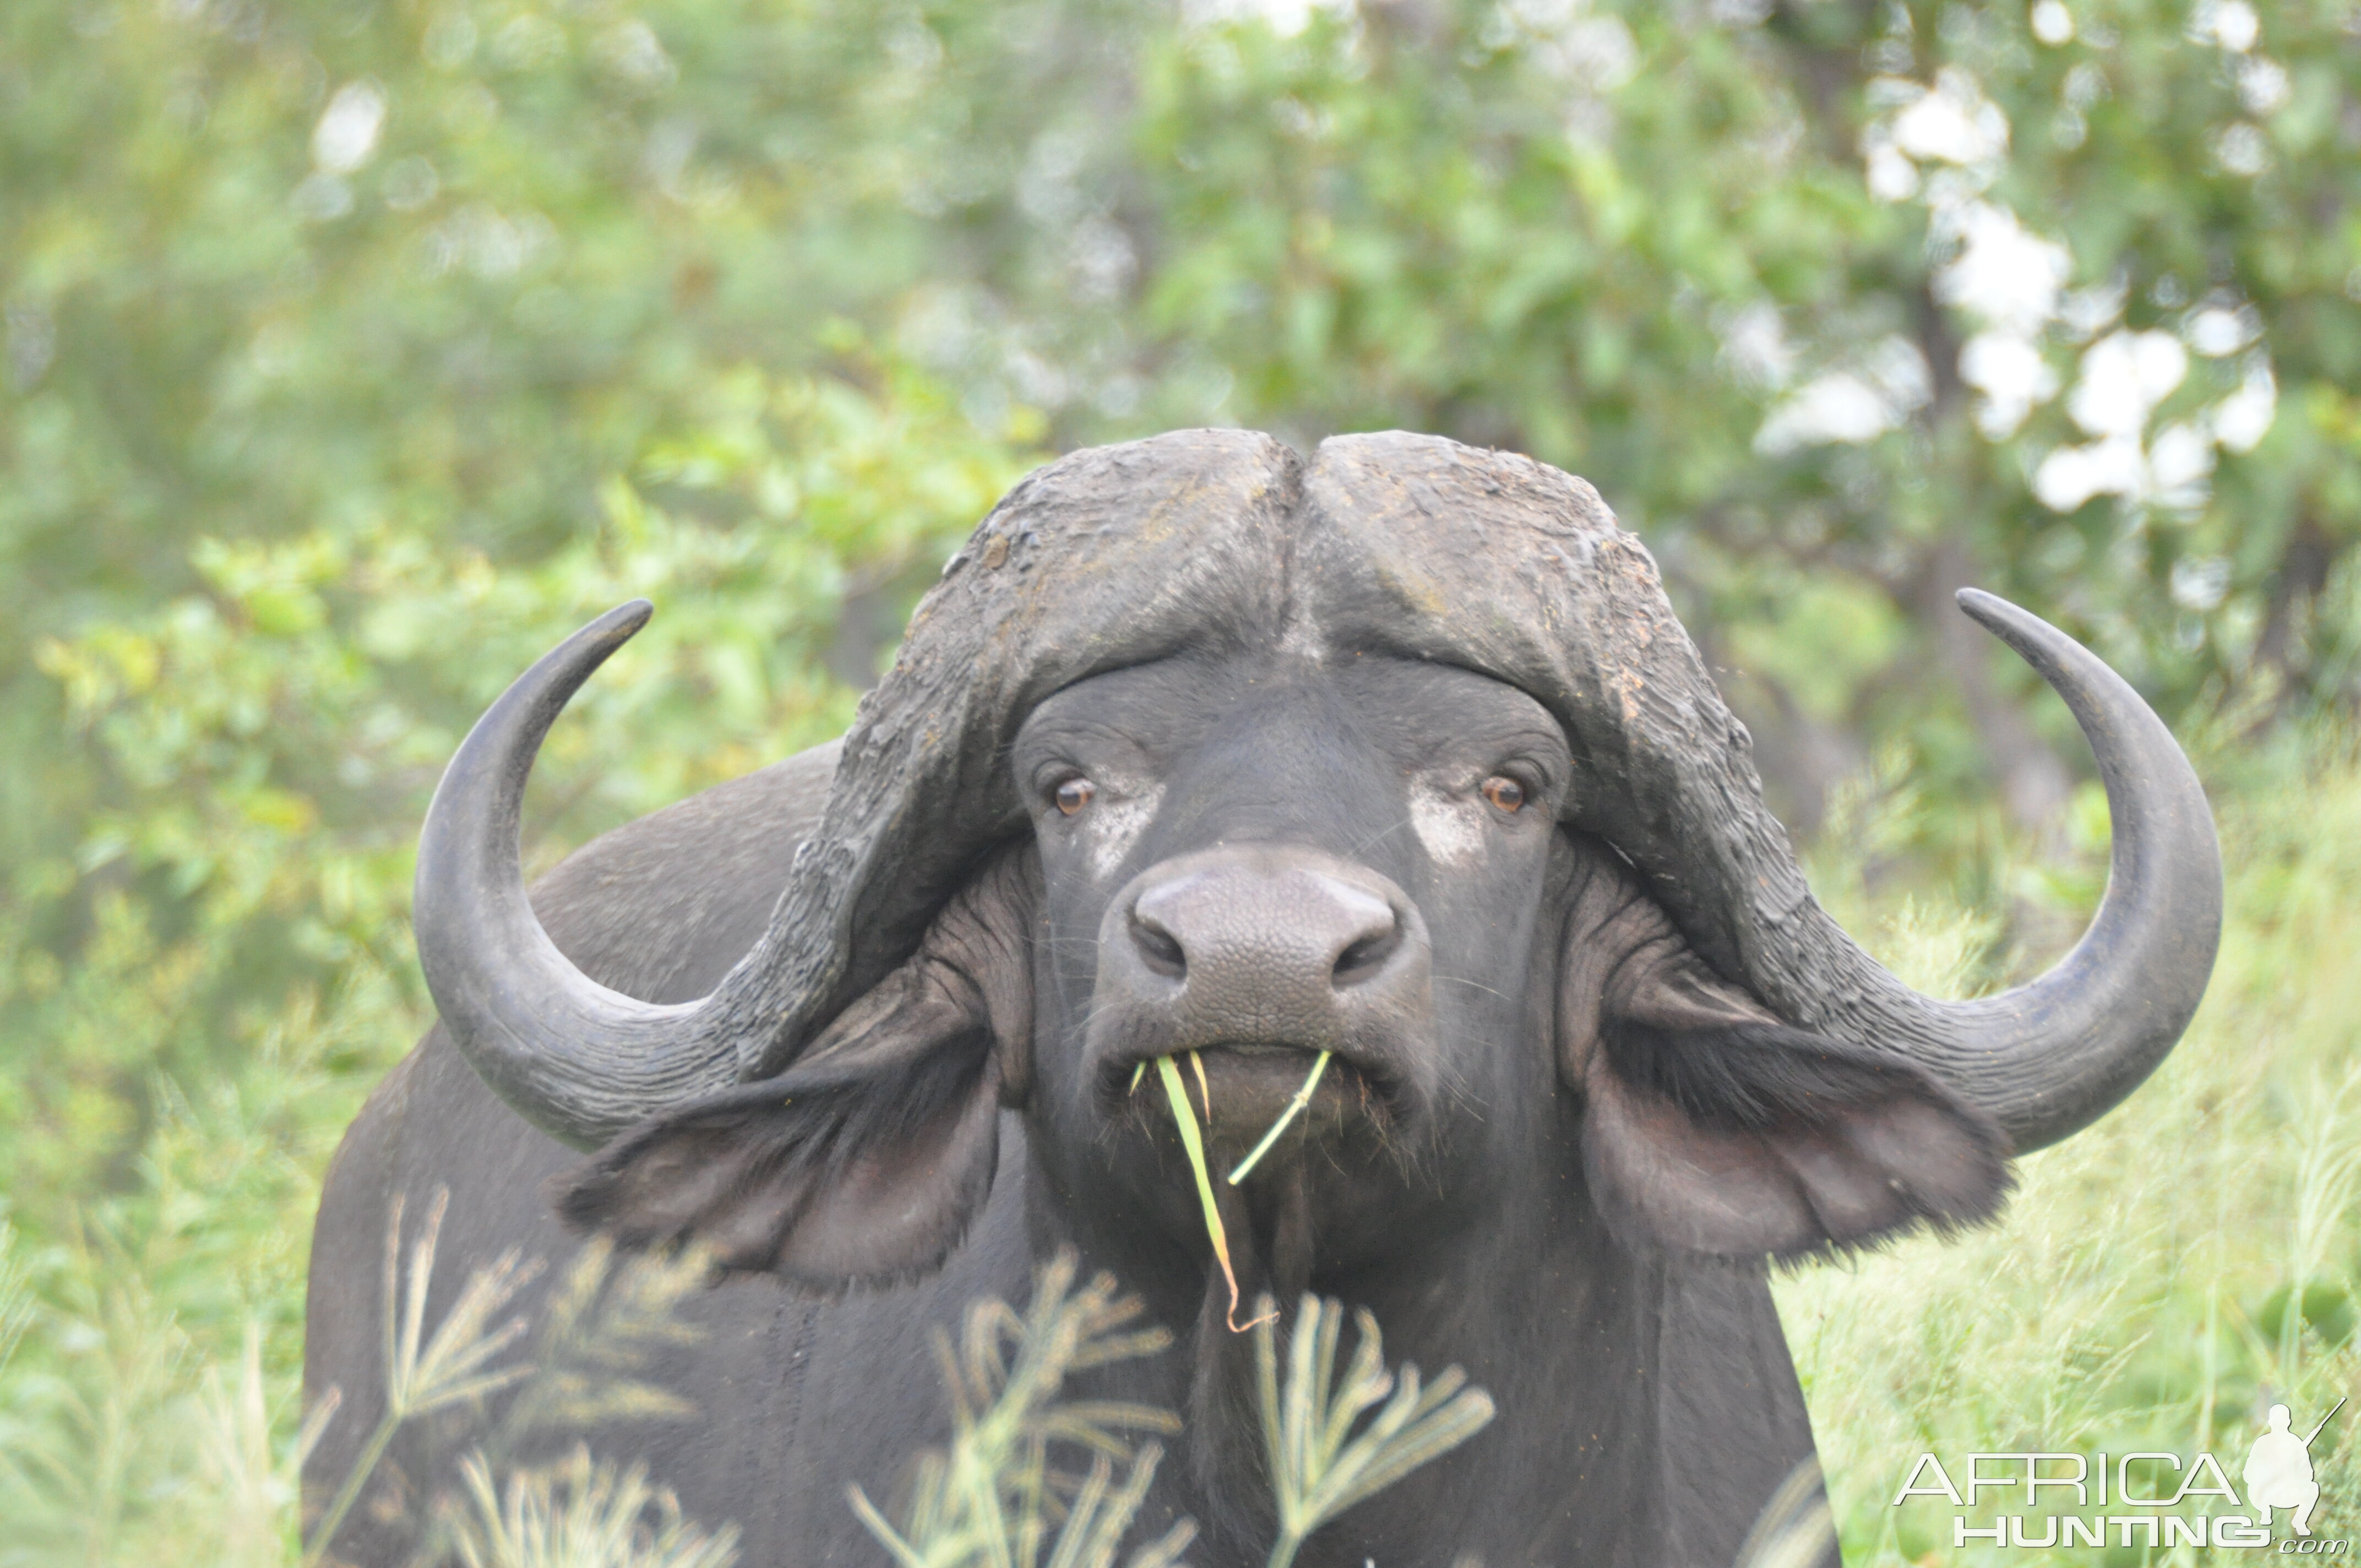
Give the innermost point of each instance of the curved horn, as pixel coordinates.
(1071, 574)
(2051, 1056)
(1501, 565)
(577, 1061)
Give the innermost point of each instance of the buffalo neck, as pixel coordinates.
(1524, 1291)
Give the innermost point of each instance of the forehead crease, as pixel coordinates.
(1075, 726)
(1440, 702)
(1154, 707)
(1408, 710)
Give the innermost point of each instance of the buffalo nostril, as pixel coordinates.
(1292, 937)
(1366, 955)
(1159, 948)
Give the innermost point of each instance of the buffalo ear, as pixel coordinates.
(866, 1162)
(1710, 1126)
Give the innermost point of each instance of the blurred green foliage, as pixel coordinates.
(356, 349)
(1829, 296)
(219, 963)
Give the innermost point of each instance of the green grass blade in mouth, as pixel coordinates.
(1184, 1117)
(1294, 1109)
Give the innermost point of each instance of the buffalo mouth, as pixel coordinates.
(1247, 1086)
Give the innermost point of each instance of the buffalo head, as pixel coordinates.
(1399, 754)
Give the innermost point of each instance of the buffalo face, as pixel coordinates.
(1257, 859)
(1398, 753)
(1248, 859)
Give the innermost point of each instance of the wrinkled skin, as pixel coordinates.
(1290, 790)
(1281, 799)
(1537, 1088)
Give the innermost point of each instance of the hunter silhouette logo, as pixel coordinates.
(2138, 1499)
(2278, 1471)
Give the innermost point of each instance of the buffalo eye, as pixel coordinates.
(1505, 793)
(1074, 794)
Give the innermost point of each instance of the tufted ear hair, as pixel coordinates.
(1711, 1125)
(865, 1163)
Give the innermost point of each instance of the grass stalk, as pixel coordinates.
(1320, 1464)
(989, 1500)
(363, 1466)
(427, 1373)
(1295, 1108)
(582, 1513)
(1185, 1118)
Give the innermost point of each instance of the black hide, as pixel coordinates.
(1648, 1408)
(1304, 787)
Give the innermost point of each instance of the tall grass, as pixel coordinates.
(1323, 1457)
(587, 1366)
(995, 1498)
(2158, 1280)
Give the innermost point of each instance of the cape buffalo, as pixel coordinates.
(1398, 752)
